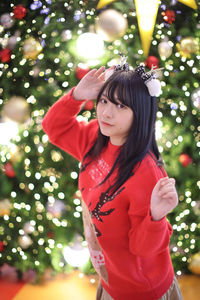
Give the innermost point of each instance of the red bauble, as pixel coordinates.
(50, 234)
(1, 246)
(169, 16)
(5, 55)
(89, 105)
(185, 160)
(19, 12)
(81, 71)
(152, 61)
(9, 171)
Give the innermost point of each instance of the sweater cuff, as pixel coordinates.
(73, 105)
(155, 225)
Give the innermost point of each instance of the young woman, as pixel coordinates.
(126, 192)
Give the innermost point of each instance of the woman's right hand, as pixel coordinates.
(90, 85)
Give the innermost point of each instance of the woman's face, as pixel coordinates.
(115, 120)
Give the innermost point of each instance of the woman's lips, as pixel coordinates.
(106, 124)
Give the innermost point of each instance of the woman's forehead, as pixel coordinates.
(115, 96)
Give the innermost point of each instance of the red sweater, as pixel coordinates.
(129, 251)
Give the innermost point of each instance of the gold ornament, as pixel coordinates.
(146, 11)
(164, 49)
(31, 48)
(16, 109)
(5, 207)
(187, 46)
(103, 3)
(111, 25)
(194, 263)
(190, 3)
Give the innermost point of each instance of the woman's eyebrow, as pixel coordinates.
(116, 99)
(105, 95)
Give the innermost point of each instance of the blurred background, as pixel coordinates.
(46, 47)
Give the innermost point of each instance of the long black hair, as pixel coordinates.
(132, 92)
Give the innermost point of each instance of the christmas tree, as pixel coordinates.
(46, 48)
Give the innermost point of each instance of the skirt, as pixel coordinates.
(173, 293)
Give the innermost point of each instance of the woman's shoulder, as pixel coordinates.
(150, 167)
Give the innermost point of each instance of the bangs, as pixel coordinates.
(117, 88)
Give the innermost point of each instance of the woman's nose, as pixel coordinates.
(108, 110)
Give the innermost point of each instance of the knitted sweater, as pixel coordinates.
(129, 250)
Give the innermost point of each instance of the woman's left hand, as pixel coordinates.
(164, 198)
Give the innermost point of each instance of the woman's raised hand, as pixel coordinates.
(90, 85)
(164, 198)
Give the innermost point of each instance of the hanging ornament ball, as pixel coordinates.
(31, 48)
(56, 208)
(16, 109)
(25, 241)
(66, 35)
(5, 207)
(169, 16)
(196, 98)
(13, 40)
(9, 171)
(111, 25)
(89, 105)
(152, 61)
(1, 246)
(82, 70)
(196, 208)
(6, 21)
(185, 160)
(164, 49)
(187, 46)
(19, 12)
(194, 263)
(28, 228)
(5, 55)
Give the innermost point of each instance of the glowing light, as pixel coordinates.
(90, 45)
(76, 257)
(146, 11)
(8, 131)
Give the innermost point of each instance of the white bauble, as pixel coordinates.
(6, 20)
(16, 109)
(111, 25)
(25, 241)
(164, 49)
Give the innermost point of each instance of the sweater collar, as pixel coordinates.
(113, 149)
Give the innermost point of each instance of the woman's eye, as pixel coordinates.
(103, 101)
(120, 105)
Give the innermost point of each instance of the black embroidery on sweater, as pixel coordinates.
(104, 198)
(83, 167)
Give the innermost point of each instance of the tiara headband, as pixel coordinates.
(149, 78)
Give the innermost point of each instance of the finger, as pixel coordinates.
(172, 180)
(91, 73)
(167, 187)
(164, 180)
(102, 76)
(171, 197)
(99, 71)
(168, 194)
(167, 180)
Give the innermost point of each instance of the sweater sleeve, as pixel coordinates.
(146, 237)
(65, 131)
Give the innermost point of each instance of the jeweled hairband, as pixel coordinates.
(149, 78)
